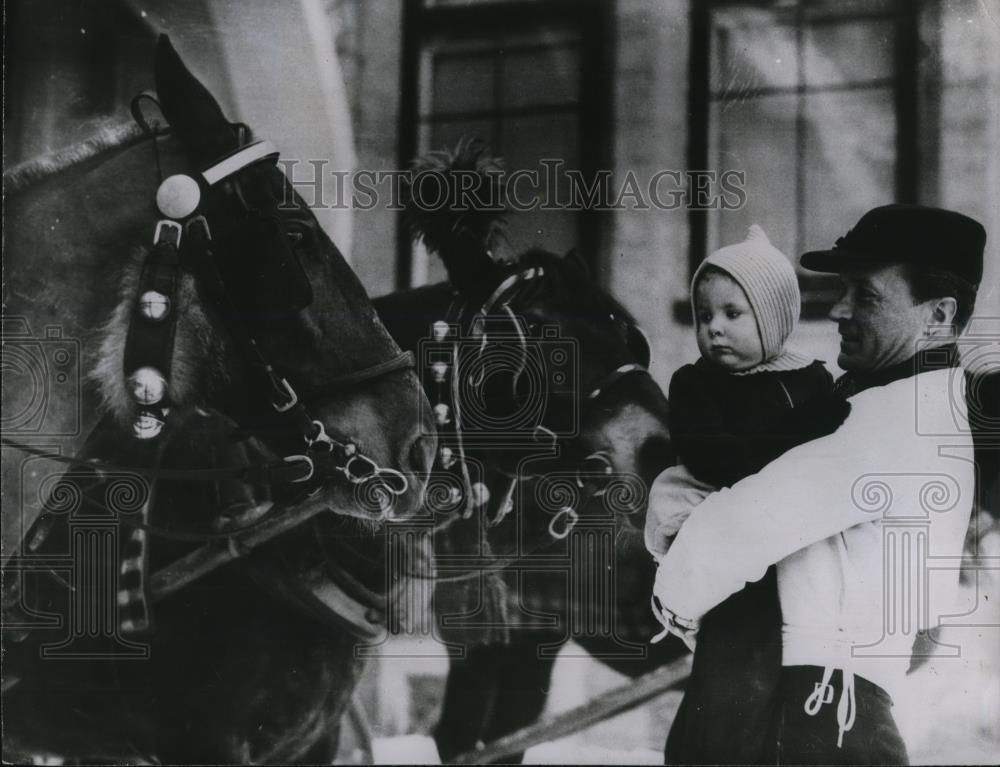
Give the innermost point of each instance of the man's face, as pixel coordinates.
(878, 320)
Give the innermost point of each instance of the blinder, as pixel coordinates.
(638, 344)
(259, 265)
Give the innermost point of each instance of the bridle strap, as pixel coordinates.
(234, 162)
(323, 442)
(518, 277)
(403, 361)
(285, 470)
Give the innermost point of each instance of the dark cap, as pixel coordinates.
(931, 238)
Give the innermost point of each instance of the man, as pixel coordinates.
(825, 511)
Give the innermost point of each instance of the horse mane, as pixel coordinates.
(26, 174)
(196, 364)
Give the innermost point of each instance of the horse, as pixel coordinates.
(551, 429)
(216, 405)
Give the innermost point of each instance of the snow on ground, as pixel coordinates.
(566, 752)
(420, 749)
(949, 712)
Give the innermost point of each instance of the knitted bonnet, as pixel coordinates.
(768, 279)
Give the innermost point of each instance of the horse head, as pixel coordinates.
(177, 296)
(553, 364)
(238, 303)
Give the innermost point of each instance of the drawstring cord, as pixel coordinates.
(686, 630)
(846, 707)
(662, 619)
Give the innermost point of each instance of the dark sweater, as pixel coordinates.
(726, 427)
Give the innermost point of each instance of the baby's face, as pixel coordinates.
(725, 324)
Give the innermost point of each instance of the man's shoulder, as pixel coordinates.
(928, 403)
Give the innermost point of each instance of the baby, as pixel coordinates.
(745, 402)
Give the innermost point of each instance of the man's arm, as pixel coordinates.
(802, 497)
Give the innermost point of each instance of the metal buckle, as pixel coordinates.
(203, 222)
(304, 459)
(293, 397)
(166, 223)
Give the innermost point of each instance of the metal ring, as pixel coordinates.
(166, 223)
(607, 468)
(321, 438)
(355, 477)
(571, 516)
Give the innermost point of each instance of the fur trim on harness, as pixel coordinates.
(196, 367)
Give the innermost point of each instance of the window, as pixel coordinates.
(814, 100)
(518, 87)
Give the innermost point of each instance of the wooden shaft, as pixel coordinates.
(211, 556)
(617, 701)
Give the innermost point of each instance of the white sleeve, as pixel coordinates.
(802, 497)
(672, 497)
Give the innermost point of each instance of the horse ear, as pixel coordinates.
(578, 263)
(193, 113)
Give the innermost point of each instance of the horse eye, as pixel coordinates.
(295, 236)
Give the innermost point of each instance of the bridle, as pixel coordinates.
(592, 474)
(183, 244)
(183, 241)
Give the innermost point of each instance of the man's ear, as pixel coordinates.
(941, 321)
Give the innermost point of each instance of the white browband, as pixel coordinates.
(238, 160)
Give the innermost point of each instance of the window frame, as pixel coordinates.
(590, 19)
(818, 291)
